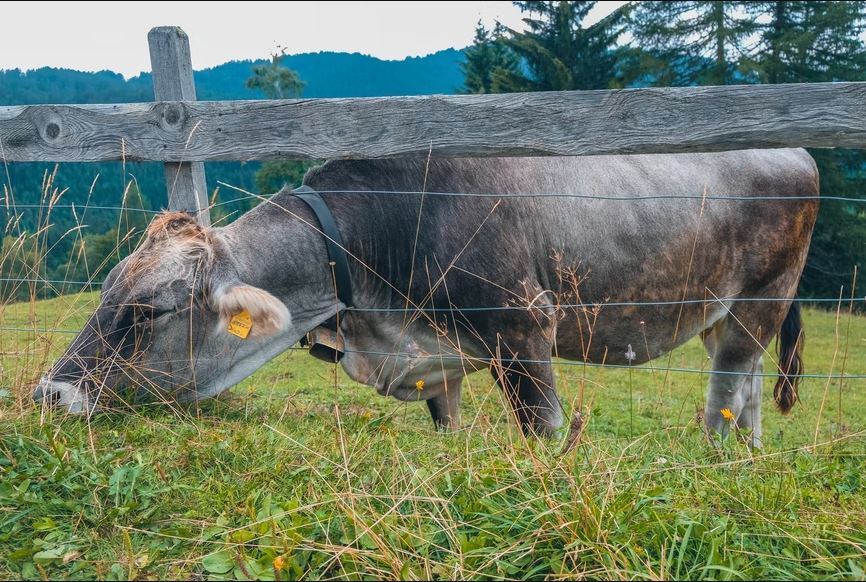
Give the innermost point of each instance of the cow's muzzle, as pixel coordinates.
(64, 395)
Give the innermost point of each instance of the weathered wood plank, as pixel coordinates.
(525, 124)
(171, 63)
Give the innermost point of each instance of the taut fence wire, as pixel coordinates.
(61, 286)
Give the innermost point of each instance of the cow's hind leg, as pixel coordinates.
(734, 397)
(445, 408)
(750, 417)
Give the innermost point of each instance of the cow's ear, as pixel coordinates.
(242, 305)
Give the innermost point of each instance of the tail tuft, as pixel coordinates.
(790, 346)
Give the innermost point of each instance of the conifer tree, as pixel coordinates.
(804, 42)
(486, 58)
(557, 52)
(693, 42)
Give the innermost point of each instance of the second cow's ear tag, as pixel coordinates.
(241, 324)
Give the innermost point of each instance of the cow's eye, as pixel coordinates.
(147, 313)
(157, 313)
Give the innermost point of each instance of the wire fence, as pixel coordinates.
(60, 286)
(556, 361)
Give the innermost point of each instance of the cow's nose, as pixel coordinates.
(46, 392)
(56, 393)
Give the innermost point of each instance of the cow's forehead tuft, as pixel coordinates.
(171, 237)
(179, 224)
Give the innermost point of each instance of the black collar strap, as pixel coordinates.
(333, 241)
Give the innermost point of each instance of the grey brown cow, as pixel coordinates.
(623, 259)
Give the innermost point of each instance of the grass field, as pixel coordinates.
(300, 473)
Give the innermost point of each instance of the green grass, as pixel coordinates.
(302, 466)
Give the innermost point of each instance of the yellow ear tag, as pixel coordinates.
(241, 324)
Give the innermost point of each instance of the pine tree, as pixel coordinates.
(487, 57)
(809, 41)
(557, 52)
(693, 42)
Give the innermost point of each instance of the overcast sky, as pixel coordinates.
(93, 36)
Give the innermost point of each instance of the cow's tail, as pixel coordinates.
(790, 346)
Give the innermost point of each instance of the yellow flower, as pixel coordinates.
(419, 384)
(727, 414)
(279, 563)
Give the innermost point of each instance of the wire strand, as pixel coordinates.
(582, 305)
(554, 361)
(586, 305)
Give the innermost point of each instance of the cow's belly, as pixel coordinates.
(622, 335)
(380, 354)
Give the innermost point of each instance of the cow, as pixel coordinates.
(457, 265)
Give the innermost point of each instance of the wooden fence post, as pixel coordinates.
(171, 66)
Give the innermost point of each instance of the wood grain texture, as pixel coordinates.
(171, 63)
(525, 124)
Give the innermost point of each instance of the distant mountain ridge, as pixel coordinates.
(329, 74)
(326, 74)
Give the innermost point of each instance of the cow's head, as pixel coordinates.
(162, 325)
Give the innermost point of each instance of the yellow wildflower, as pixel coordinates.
(279, 563)
(727, 414)
(419, 385)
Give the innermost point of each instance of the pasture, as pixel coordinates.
(300, 473)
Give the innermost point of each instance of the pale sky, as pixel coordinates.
(92, 36)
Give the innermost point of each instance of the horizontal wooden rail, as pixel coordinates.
(523, 124)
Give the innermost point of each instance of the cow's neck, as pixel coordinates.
(279, 247)
(287, 257)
